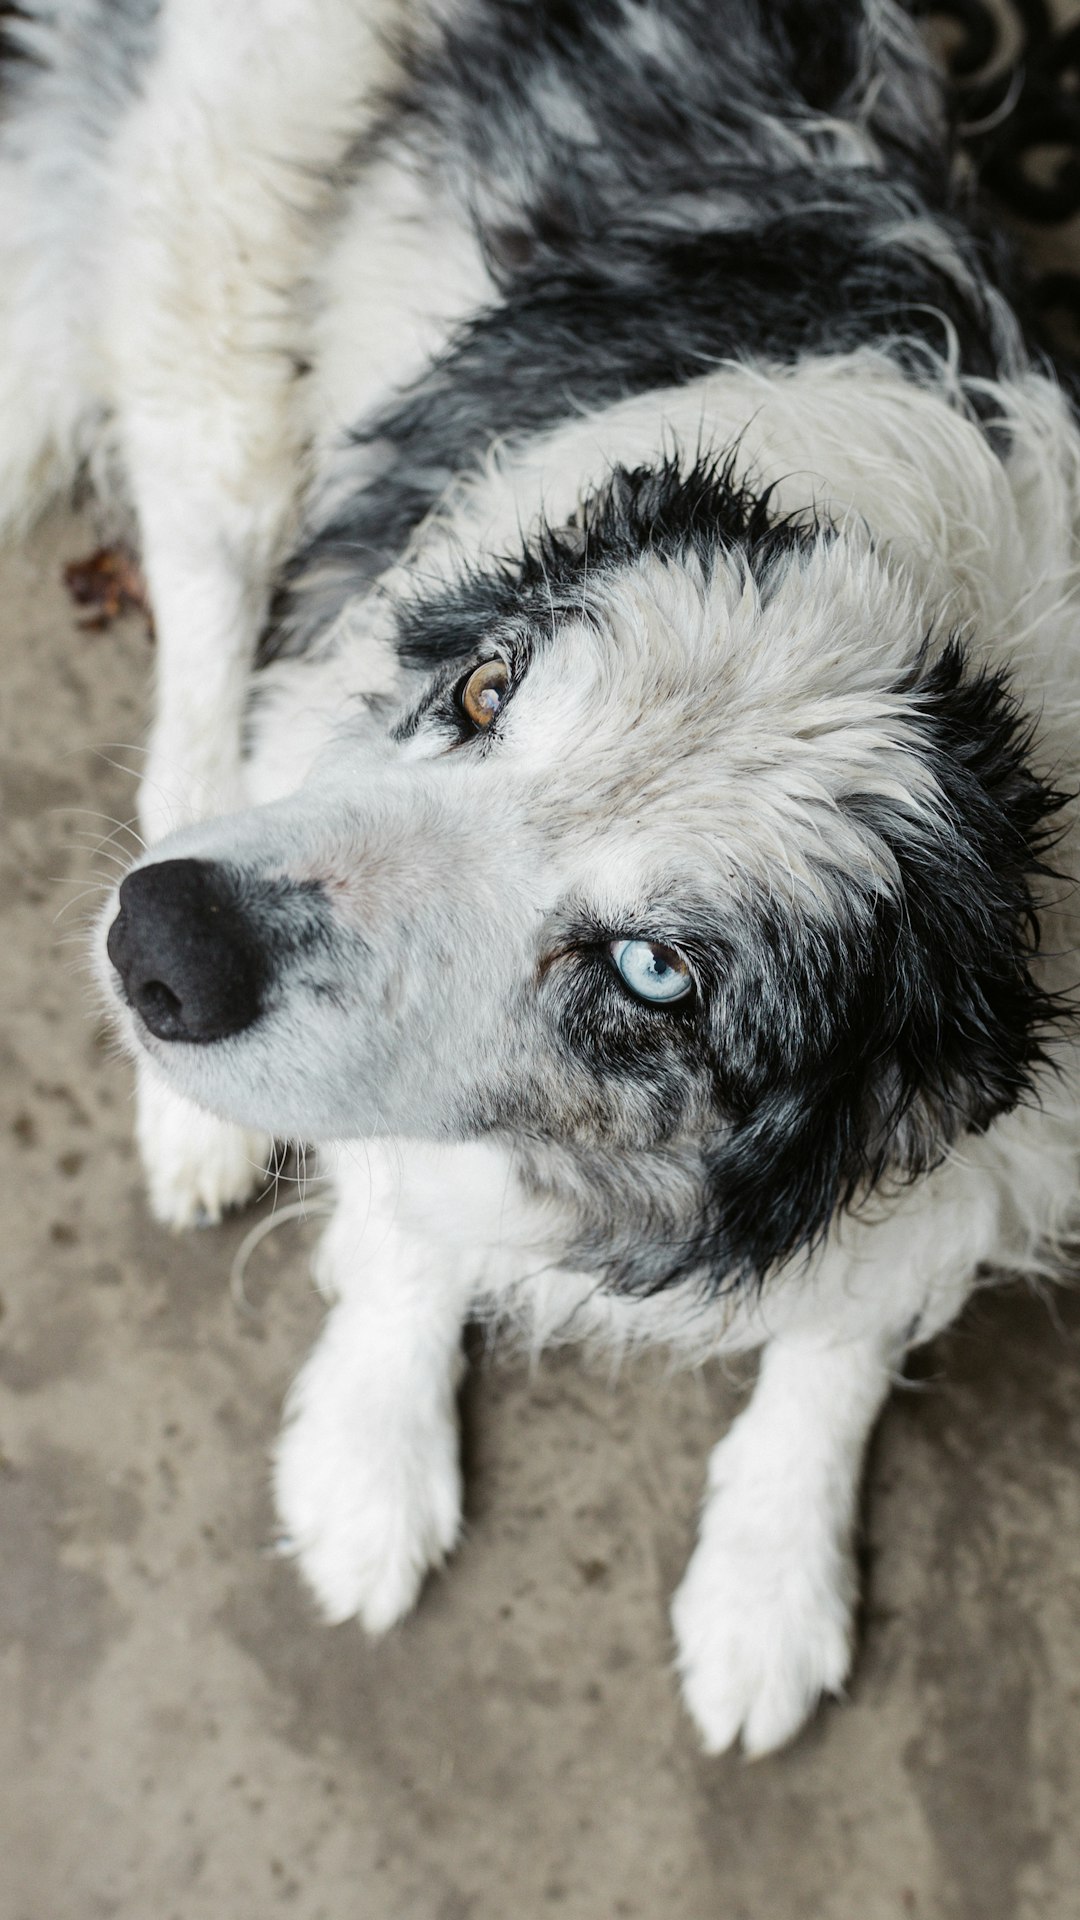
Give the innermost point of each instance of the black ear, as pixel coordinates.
(857, 1045)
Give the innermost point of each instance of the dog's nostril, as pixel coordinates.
(159, 1006)
(189, 960)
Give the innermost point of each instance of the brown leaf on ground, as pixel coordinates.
(110, 583)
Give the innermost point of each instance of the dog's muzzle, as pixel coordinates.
(188, 961)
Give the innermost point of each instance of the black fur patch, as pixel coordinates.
(675, 511)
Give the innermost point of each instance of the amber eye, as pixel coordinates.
(482, 695)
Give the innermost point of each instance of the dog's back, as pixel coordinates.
(615, 198)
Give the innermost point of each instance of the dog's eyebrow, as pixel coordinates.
(675, 510)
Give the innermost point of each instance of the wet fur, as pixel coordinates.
(659, 350)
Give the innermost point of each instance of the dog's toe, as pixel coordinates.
(198, 1168)
(368, 1509)
(370, 1563)
(760, 1639)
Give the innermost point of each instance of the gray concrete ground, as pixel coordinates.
(179, 1738)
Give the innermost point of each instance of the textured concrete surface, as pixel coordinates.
(179, 1738)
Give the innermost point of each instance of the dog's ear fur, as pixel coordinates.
(857, 1047)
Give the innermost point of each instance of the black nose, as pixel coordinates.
(188, 961)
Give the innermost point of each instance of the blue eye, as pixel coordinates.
(653, 972)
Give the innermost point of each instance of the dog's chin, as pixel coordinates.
(208, 1075)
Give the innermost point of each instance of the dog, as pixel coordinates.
(612, 538)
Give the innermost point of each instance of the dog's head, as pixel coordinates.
(694, 852)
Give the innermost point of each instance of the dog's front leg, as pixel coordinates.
(367, 1474)
(211, 444)
(208, 586)
(219, 178)
(763, 1619)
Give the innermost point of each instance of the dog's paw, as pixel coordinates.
(369, 1503)
(762, 1628)
(197, 1167)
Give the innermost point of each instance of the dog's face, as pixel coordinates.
(687, 849)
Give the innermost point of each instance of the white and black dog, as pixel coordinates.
(614, 556)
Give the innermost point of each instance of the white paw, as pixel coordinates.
(197, 1167)
(762, 1626)
(369, 1496)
